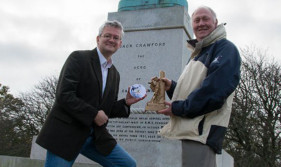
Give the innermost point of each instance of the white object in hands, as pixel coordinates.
(137, 90)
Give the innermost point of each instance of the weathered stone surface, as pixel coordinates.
(9, 161)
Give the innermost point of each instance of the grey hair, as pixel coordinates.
(114, 23)
(208, 8)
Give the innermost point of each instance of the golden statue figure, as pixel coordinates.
(157, 101)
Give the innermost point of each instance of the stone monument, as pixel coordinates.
(155, 40)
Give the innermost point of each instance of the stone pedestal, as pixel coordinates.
(155, 40)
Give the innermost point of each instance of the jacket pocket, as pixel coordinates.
(182, 128)
(63, 117)
(201, 125)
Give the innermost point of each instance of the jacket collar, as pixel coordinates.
(98, 73)
(97, 69)
(195, 46)
(103, 62)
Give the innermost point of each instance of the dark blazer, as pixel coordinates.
(78, 100)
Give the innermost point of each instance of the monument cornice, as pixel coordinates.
(129, 29)
(154, 19)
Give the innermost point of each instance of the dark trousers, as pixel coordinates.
(196, 154)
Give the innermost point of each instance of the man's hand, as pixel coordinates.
(101, 118)
(167, 82)
(131, 100)
(166, 111)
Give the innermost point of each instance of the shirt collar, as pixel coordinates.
(103, 62)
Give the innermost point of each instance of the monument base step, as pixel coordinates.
(9, 161)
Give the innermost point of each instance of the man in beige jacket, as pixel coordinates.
(202, 96)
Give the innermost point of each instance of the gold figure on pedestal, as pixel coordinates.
(157, 102)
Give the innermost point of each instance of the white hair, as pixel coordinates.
(207, 8)
(114, 23)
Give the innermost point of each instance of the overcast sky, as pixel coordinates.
(36, 36)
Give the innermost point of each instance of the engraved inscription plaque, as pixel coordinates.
(140, 127)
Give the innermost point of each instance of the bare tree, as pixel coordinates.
(22, 118)
(38, 103)
(254, 135)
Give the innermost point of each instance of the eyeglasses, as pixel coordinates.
(109, 36)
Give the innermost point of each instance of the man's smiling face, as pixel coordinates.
(109, 41)
(203, 23)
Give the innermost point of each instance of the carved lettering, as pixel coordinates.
(139, 67)
(127, 46)
(144, 45)
(138, 127)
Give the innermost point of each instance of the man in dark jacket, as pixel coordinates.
(202, 97)
(86, 97)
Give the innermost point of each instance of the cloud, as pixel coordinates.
(36, 36)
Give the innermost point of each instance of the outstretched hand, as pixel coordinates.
(132, 100)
